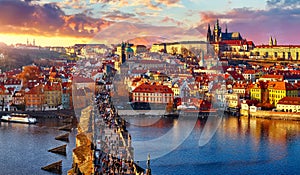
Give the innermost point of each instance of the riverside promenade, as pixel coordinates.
(103, 144)
(276, 115)
(272, 115)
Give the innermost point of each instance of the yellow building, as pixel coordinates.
(176, 90)
(137, 49)
(232, 100)
(180, 47)
(258, 91)
(289, 104)
(157, 48)
(53, 94)
(272, 92)
(279, 90)
(274, 51)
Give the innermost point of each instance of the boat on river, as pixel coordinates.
(19, 118)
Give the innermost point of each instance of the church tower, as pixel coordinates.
(271, 41)
(209, 36)
(129, 52)
(275, 42)
(123, 56)
(217, 32)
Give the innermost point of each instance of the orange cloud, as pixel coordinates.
(48, 20)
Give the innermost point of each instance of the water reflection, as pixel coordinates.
(24, 148)
(240, 146)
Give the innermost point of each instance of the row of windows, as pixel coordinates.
(288, 106)
(277, 96)
(151, 94)
(255, 90)
(33, 101)
(152, 99)
(276, 54)
(277, 91)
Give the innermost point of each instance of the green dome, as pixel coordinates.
(129, 49)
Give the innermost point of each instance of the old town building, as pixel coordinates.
(153, 93)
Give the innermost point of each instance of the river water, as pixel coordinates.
(239, 146)
(24, 148)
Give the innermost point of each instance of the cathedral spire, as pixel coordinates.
(271, 41)
(217, 24)
(226, 31)
(208, 37)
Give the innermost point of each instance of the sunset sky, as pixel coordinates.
(66, 22)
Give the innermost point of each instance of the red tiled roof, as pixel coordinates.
(261, 85)
(273, 76)
(232, 42)
(52, 86)
(13, 81)
(152, 88)
(150, 62)
(250, 43)
(2, 88)
(281, 86)
(289, 101)
(249, 71)
(80, 79)
(251, 102)
(136, 71)
(236, 75)
(268, 46)
(35, 90)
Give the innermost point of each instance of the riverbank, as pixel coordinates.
(63, 113)
(272, 115)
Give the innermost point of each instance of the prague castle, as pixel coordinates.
(232, 44)
(275, 51)
(228, 43)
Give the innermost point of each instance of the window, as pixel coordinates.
(266, 54)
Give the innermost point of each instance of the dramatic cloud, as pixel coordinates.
(21, 17)
(117, 15)
(169, 2)
(285, 4)
(73, 4)
(156, 5)
(171, 20)
(124, 31)
(116, 20)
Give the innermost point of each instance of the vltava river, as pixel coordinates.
(239, 146)
(24, 148)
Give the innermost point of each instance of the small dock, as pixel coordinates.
(55, 167)
(63, 137)
(59, 150)
(67, 128)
